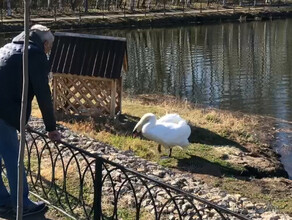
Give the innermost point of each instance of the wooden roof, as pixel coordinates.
(88, 55)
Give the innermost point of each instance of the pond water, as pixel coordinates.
(237, 66)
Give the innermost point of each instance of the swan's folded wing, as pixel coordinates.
(170, 118)
(169, 134)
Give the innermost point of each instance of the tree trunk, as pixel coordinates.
(85, 6)
(9, 11)
(138, 4)
(149, 4)
(49, 4)
(143, 4)
(60, 4)
(73, 6)
(132, 5)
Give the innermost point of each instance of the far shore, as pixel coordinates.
(159, 18)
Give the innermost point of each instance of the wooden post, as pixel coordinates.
(121, 92)
(54, 93)
(113, 98)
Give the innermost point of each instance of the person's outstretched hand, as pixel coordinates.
(55, 135)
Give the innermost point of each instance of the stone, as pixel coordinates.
(186, 206)
(248, 205)
(159, 173)
(171, 217)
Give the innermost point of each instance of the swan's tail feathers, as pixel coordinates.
(185, 143)
(186, 128)
(183, 122)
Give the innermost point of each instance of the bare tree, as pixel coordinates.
(224, 2)
(73, 4)
(85, 3)
(60, 4)
(49, 4)
(132, 5)
(9, 11)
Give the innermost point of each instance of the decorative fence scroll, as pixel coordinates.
(86, 186)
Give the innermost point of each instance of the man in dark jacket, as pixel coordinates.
(40, 43)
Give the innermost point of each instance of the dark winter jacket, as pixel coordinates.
(11, 81)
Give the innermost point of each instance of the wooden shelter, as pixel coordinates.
(87, 76)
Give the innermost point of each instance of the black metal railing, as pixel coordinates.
(84, 185)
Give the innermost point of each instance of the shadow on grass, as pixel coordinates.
(199, 165)
(204, 136)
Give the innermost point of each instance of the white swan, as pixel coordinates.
(170, 130)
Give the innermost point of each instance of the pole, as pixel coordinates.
(23, 114)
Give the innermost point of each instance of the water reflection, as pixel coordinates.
(237, 66)
(243, 67)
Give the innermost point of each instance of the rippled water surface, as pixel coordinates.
(236, 66)
(245, 67)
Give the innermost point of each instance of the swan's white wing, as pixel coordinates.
(169, 134)
(170, 118)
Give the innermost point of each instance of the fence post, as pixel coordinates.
(97, 189)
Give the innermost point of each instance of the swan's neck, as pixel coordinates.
(150, 124)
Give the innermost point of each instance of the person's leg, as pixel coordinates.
(9, 148)
(9, 151)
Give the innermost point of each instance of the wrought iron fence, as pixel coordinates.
(84, 185)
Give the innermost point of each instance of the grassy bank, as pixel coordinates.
(229, 150)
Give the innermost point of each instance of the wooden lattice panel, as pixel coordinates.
(84, 95)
